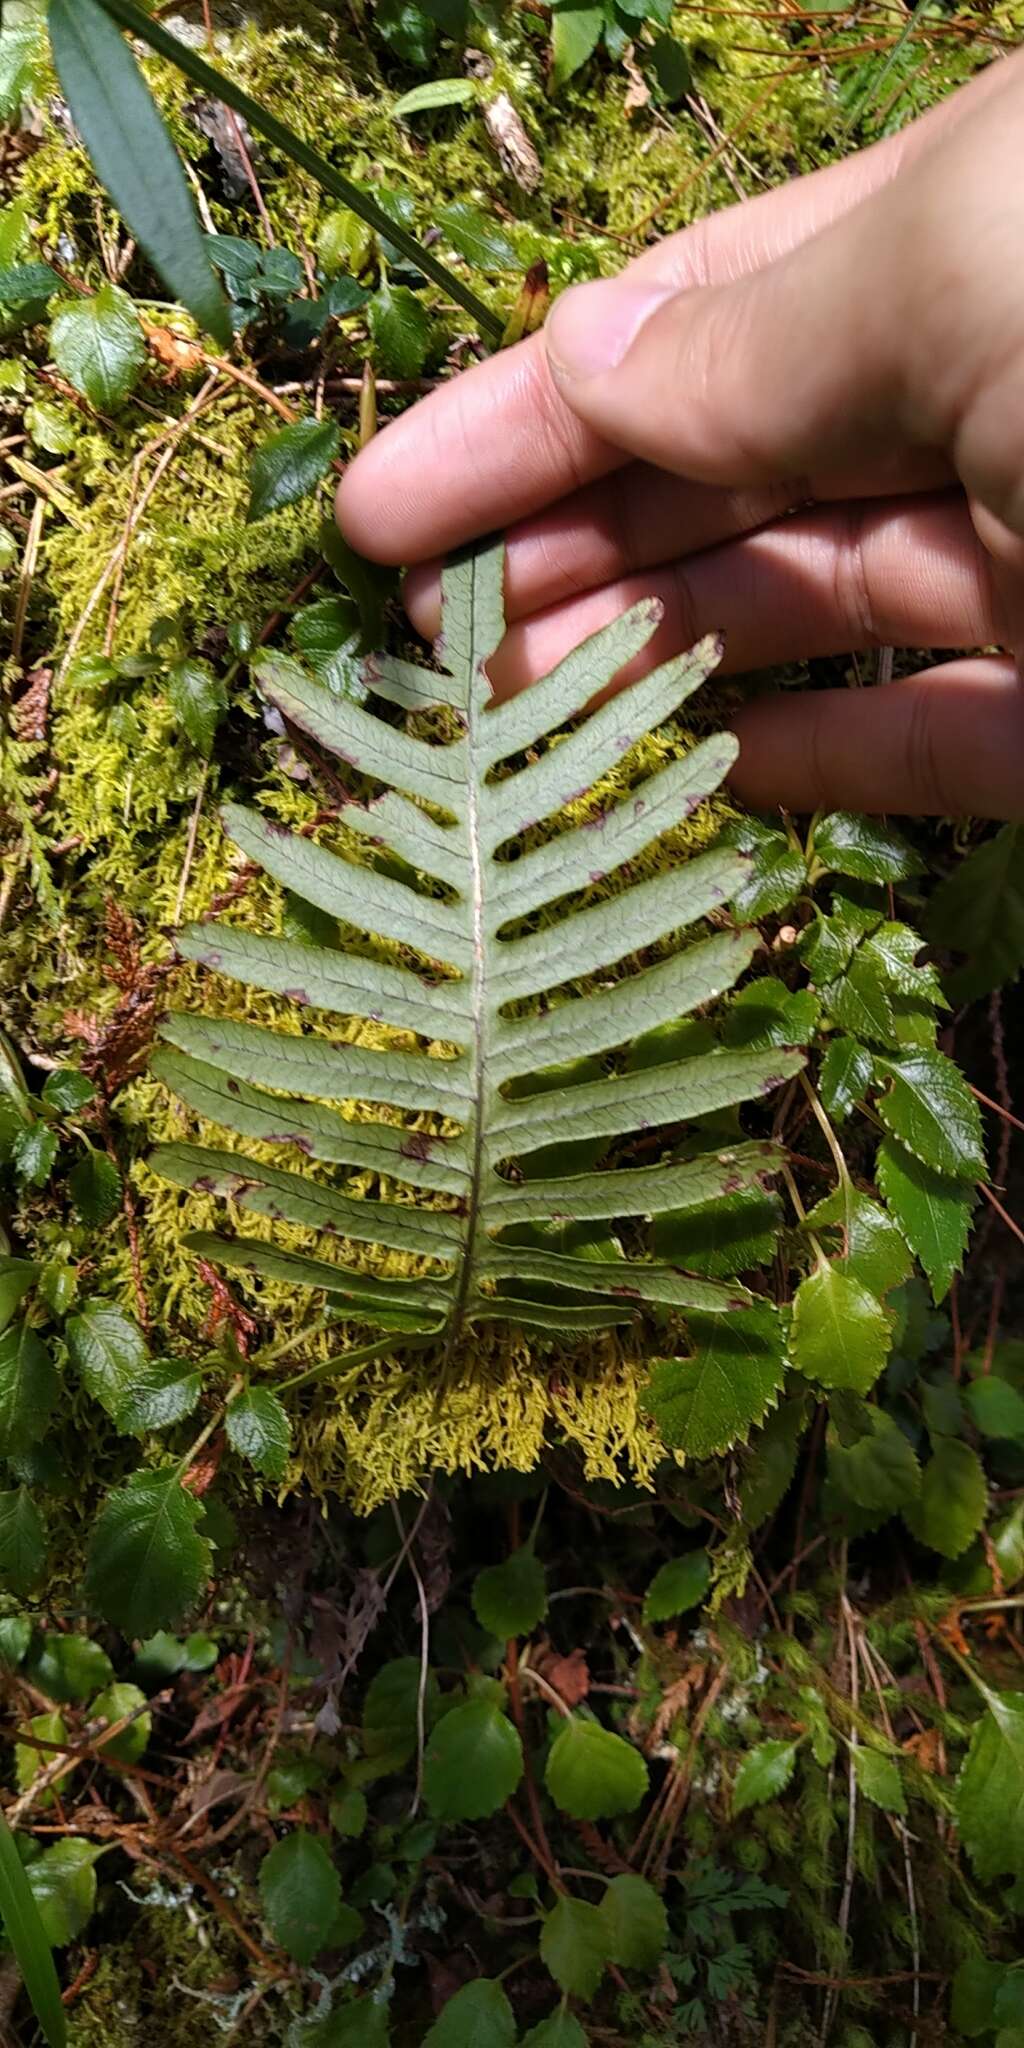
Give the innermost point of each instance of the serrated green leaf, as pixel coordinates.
(766, 1013)
(97, 343)
(592, 1773)
(511, 1599)
(22, 52)
(930, 1109)
(433, 94)
(15, 1636)
(861, 1002)
(574, 1946)
(22, 1542)
(979, 911)
(146, 1562)
(68, 1667)
(17, 1278)
(391, 1710)
(778, 870)
(29, 1385)
(951, 1505)
(771, 1462)
(870, 849)
(290, 463)
(109, 1350)
(679, 1585)
(880, 1472)
(636, 1923)
(66, 1090)
(115, 1704)
(134, 156)
(259, 1430)
(400, 329)
(94, 1185)
(973, 2004)
(705, 1403)
(933, 1212)
(198, 699)
(158, 1395)
(473, 1762)
(846, 1073)
(879, 1780)
(990, 1789)
(561, 2029)
(764, 1773)
(479, 237)
(19, 1911)
(995, 1408)
(34, 1152)
(63, 1884)
(477, 2016)
(840, 1333)
(300, 1891)
(872, 1248)
(575, 34)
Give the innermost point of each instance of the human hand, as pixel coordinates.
(800, 421)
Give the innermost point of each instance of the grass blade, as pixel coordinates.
(20, 1916)
(115, 114)
(284, 138)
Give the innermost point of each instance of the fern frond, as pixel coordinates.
(514, 998)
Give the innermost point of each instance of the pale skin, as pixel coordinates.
(800, 421)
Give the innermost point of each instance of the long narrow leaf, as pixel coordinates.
(116, 116)
(263, 122)
(32, 1952)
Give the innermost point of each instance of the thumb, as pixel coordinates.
(775, 376)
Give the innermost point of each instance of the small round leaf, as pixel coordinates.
(592, 1774)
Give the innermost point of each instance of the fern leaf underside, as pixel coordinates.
(507, 1001)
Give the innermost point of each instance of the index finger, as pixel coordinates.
(498, 443)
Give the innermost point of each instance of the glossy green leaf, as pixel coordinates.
(435, 94)
(115, 1704)
(846, 1073)
(22, 1542)
(259, 1430)
(479, 237)
(996, 1408)
(930, 1109)
(777, 872)
(134, 156)
(158, 1395)
(17, 1278)
(950, 1507)
(97, 343)
(636, 1923)
(146, 1561)
(23, 1926)
(29, 1386)
(290, 463)
(300, 1892)
(477, 2016)
(22, 51)
(94, 1185)
(15, 1636)
(933, 1212)
(66, 1090)
(575, 34)
(473, 1762)
(198, 699)
(63, 1884)
(880, 1472)
(872, 1248)
(34, 1152)
(679, 1585)
(592, 1773)
(840, 1334)
(511, 1599)
(879, 1780)
(990, 1788)
(870, 849)
(109, 1350)
(68, 1667)
(574, 1946)
(764, 1773)
(704, 1403)
(401, 330)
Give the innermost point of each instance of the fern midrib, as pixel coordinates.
(478, 990)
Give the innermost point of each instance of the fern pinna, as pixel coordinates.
(507, 1006)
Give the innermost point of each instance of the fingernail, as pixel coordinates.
(590, 327)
